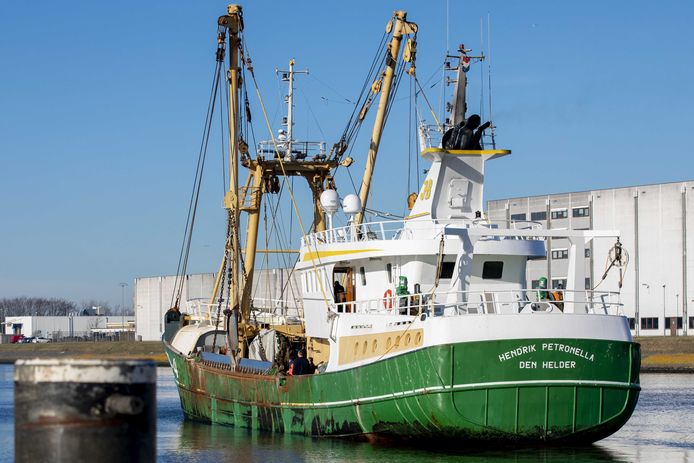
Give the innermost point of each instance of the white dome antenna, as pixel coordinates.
(351, 204)
(330, 203)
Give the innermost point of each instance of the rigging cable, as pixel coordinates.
(195, 194)
(291, 193)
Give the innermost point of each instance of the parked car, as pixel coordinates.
(40, 340)
(27, 340)
(16, 338)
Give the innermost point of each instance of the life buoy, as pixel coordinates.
(388, 299)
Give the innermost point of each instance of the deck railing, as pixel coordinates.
(271, 311)
(396, 229)
(455, 303)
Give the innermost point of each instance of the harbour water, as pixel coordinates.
(661, 430)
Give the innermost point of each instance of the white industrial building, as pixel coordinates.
(153, 296)
(68, 326)
(653, 221)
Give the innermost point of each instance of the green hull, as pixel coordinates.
(535, 390)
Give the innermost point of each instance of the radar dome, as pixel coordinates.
(329, 201)
(351, 204)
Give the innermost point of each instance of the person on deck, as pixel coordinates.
(338, 292)
(301, 365)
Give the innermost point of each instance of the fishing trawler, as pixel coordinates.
(421, 327)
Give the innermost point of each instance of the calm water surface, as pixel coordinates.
(661, 430)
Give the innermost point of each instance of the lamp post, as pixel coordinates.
(664, 327)
(677, 313)
(122, 306)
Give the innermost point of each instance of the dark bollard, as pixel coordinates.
(95, 411)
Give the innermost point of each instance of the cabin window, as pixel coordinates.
(691, 322)
(588, 283)
(534, 284)
(560, 254)
(446, 270)
(560, 214)
(536, 216)
(517, 216)
(389, 269)
(649, 323)
(362, 273)
(587, 252)
(556, 282)
(492, 270)
(632, 323)
(580, 212)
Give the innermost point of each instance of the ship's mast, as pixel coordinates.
(401, 27)
(289, 76)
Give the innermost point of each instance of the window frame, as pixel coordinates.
(500, 273)
(558, 214)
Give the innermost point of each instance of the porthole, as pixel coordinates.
(356, 348)
(389, 343)
(374, 345)
(408, 338)
(366, 345)
(418, 339)
(397, 341)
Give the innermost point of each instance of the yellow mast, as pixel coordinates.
(233, 23)
(401, 27)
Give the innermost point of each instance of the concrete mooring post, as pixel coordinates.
(96, 411)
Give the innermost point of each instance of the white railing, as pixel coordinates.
(453, 303)
(271, 311)
(300, 149)
(396, 229)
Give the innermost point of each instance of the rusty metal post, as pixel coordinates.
(85, 410)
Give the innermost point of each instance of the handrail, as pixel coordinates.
(402, 229)
(486, 302)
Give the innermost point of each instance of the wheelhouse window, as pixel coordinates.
(560, 254)
(517, 216)
(537, 216)
(492, 270)
(580, 212)
(558, 283)
(588, 285)
(649, 323)
(586, 252)
(446, 270)
(632, 323)
(560, 214)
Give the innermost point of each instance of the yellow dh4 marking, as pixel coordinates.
(321, 254)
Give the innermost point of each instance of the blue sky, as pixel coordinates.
(103, 105)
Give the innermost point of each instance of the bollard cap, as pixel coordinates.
(85, 371)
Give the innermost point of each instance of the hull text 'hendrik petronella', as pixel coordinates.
(417, 327)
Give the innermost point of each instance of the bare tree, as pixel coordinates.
(22, 306)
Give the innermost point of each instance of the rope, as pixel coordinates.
(195, 194)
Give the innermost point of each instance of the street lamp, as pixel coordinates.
(122, 306)
(677, 312)
(664, 328)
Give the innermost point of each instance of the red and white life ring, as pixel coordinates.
(388, 299)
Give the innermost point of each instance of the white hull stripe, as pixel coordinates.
(459, 387)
